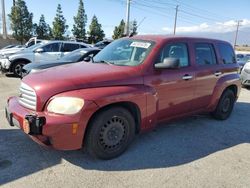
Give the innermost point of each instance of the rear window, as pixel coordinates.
(227, 53)
(204, 54)
(69, 47)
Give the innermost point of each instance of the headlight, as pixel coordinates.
(65, 105)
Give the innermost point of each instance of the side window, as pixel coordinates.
(82, 46)
(205, 54)
(227, 53)
(69, 47)
(54, 47)
(176, 50)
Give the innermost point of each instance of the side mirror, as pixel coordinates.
(168, 63)
(39, 50)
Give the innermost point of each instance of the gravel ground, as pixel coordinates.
(194, 152)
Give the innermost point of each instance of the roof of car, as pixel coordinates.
(165, 37)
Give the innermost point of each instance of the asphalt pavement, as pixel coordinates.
(194, 152)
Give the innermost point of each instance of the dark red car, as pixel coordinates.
(131, 86)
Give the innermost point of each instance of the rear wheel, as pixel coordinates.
(110, 133)
(225, 105)
(17, 68)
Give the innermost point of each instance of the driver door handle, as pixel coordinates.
(187, 77)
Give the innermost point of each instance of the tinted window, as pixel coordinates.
(54, 47)
(177, 50)
(205, 54)
(83, 46)
(69, 47)
(227, 53)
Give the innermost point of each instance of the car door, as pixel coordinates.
(208, 71)
(174, 87)
(49, 52)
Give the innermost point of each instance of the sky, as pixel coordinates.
(195, 17)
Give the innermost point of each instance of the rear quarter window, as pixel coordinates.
(226, 53)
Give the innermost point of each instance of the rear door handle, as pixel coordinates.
(187, 77)
(218, 73)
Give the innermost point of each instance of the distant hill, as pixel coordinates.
(243, 36)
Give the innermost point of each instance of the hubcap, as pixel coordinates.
(113, 133)
(18, 69)
(226, 105)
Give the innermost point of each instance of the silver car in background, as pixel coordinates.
(245, 74)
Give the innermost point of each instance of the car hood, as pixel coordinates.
(50, 82)
(11, 51)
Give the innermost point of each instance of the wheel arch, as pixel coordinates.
(18, 60)
(130, 106)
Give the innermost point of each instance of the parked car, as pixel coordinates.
(4, 53)
(8, 46)
(49, 51)
(82, 54)
(242, 59)
(245, 75)
(5, 62)
(131, 85)
(102, 44)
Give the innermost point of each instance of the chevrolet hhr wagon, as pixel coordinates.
(129, 87)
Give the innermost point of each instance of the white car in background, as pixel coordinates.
(6, 52)
(245, 75)
(45, 51)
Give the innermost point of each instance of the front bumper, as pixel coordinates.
(61, 132)
(5, 64)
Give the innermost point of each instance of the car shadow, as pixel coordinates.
(10, 75)
(179, 143)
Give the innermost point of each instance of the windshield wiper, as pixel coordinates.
(104, 61)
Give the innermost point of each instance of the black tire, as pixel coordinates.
(17, 68)
(110, 133)
(225, 106)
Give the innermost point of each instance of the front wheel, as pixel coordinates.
(110, 133)
(225, 105)
(17, 68)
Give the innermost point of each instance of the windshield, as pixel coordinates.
(74, 56)
(34, 46)
(125, 52)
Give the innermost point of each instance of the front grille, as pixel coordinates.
(27, 97)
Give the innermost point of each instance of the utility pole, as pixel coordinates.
(237, 31)
(175, 20)
(4, 20)
(126, 30)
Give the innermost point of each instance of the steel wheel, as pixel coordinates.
(110, 133)
(225, 105)
(113, 133)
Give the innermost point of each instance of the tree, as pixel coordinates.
(95, 31)
(42, 30)
(21, 21)
(119, 30)
(59, 24)
(80, 20)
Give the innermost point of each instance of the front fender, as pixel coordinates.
(144, 97)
